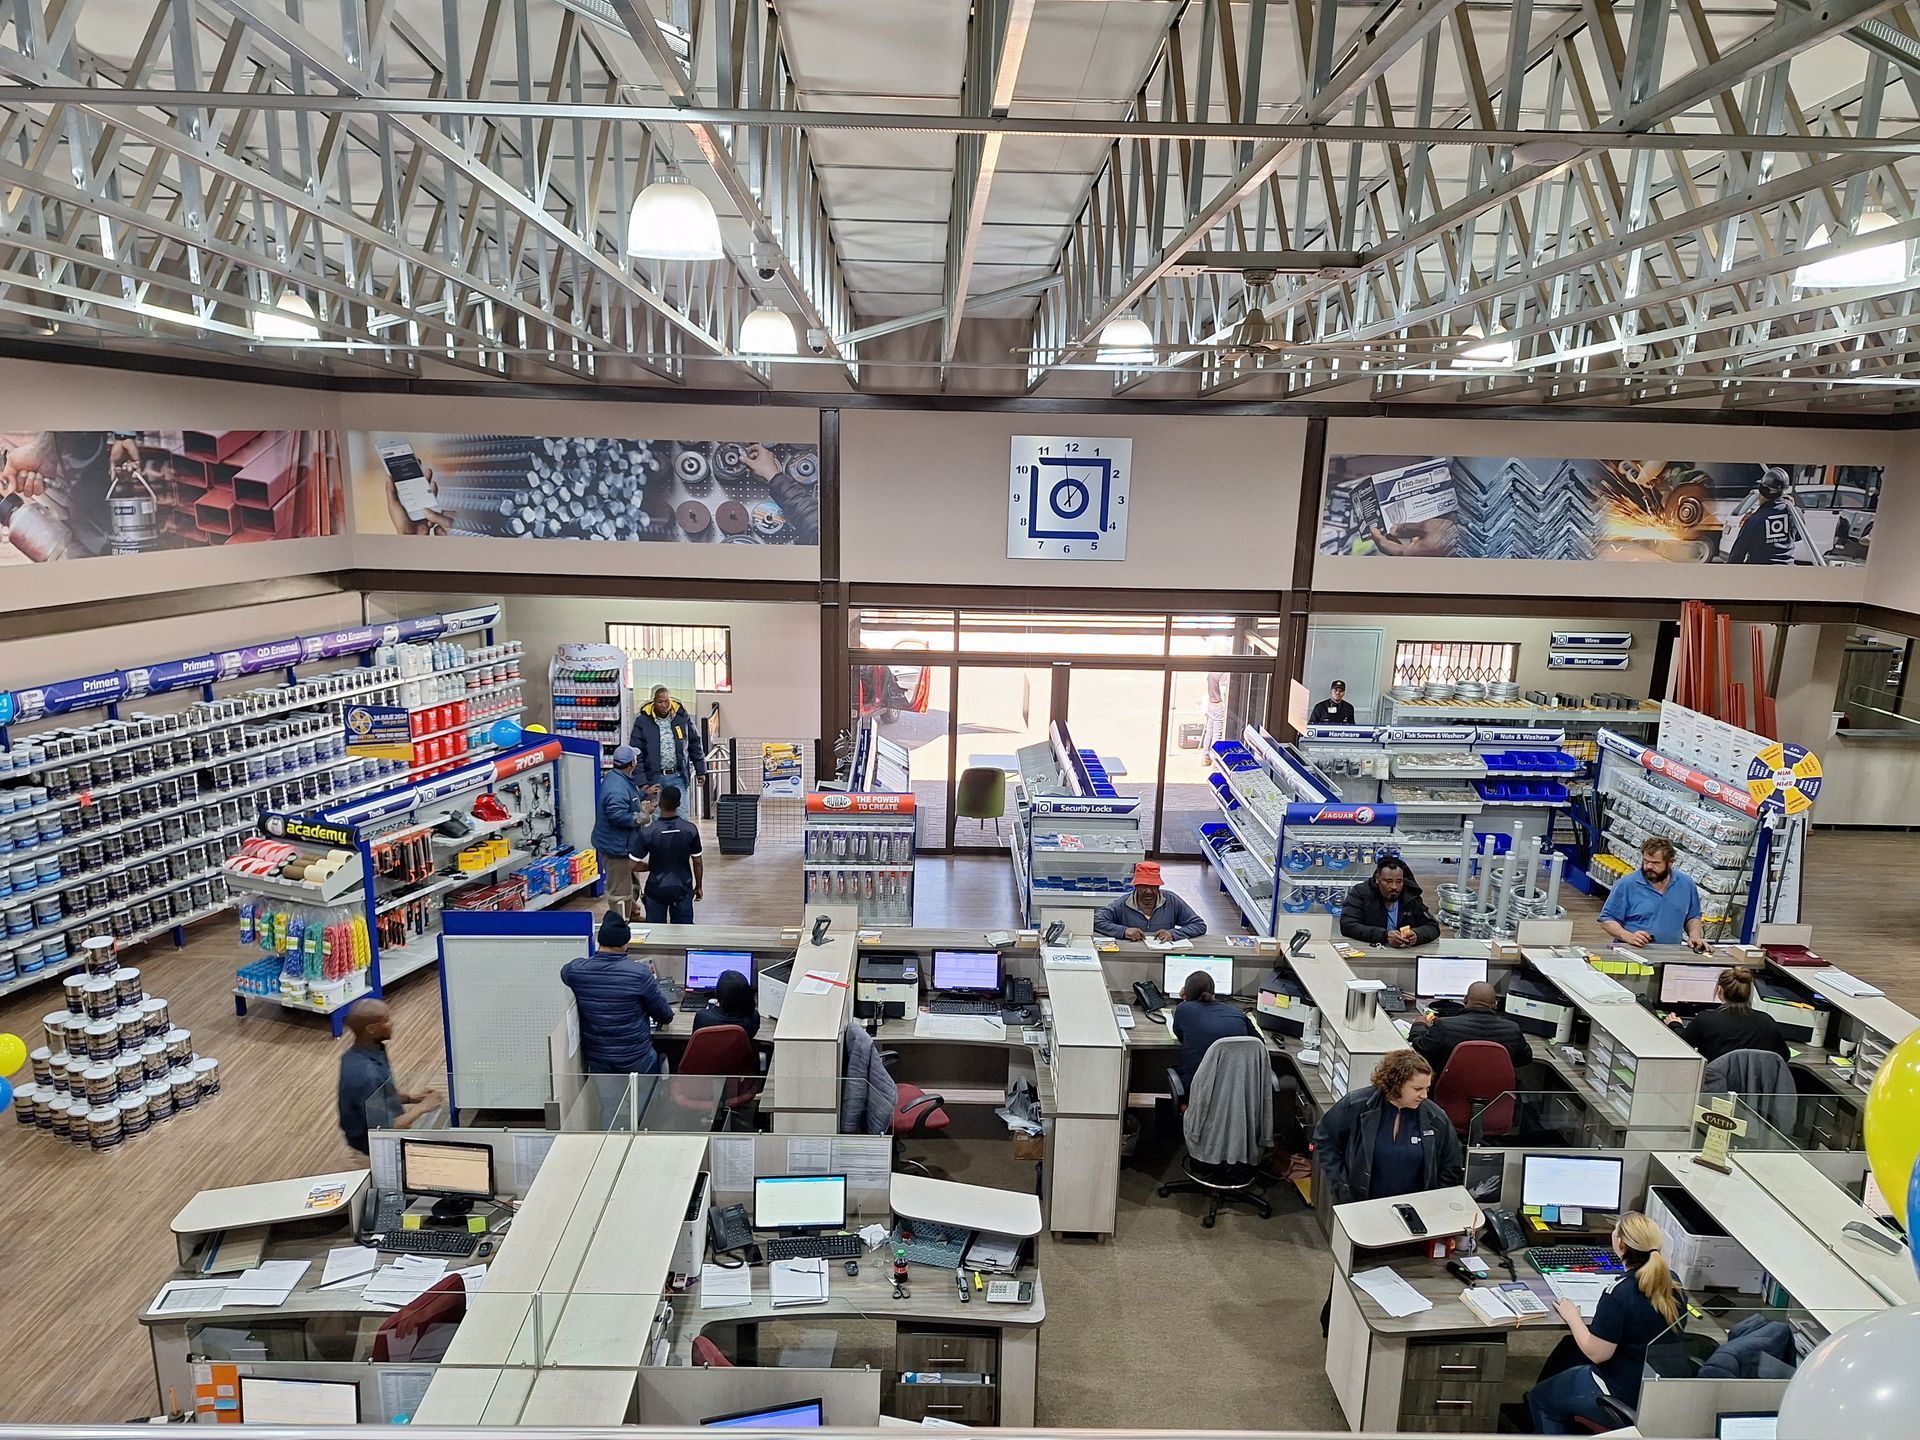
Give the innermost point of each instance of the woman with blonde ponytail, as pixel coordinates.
(1642, 1306)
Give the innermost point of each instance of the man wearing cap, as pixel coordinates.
(1148, 911)
(617, 819)
(619, 1003)
(1766, 535)
(1336, 709)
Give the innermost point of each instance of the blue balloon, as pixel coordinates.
(6, 1092)
(1913, 1198)
(506, 733)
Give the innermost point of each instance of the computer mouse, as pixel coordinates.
(853, 1268)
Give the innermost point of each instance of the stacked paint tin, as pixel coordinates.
(112, 1064)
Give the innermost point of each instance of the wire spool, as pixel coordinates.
(1477, 922)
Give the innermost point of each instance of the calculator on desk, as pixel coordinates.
(1009, 1292)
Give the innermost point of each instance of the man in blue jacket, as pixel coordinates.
(617, 821)
(668, 744)
(619, 1003)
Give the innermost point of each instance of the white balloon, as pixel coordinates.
(1860, 1383)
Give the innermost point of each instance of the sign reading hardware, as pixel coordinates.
(1067, 497)
(379, 732)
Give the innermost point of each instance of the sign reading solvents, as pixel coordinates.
(1067, 497)
(379, 732)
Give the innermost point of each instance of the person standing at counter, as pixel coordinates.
(1736, 1025)
(369, 1099)
(1656, 904)
(1388, 1139)
(620, 1004)
(1641, 1307)
(617, 820)
(1149, 911)
(1388, 909)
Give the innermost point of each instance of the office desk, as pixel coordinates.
(805, 1094)
(1363, 1225)
(930, 1334)
(273, 1202)
(1441, 1369)
(1154, 1048)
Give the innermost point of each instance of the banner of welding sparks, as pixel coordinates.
(78, 494)
(1680, 511)
(532, 487)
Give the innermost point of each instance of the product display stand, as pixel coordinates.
(592, 699)
(859, 845)
(1261, 787)
(119, 826)
(1075, 838)
(359, 906)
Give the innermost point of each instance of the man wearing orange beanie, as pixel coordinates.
(1148, 911)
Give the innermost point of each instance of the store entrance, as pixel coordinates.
(965, 690)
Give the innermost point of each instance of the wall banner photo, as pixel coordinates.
(531, 487)
(78, 494)
(1485, 507)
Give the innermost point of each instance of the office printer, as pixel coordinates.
(1537, 1004)
(1803, 1019)
(887, 986)
(1283, 1007)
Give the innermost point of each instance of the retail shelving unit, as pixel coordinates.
(1639, 1074)
(1075, 838)
(592, 699)
(403, 873)
(120, 825)
(1264, 787)
(859, 844)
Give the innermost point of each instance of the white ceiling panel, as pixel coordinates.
(862, 48)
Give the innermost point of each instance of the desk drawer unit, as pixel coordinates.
(946, 1350)
(949, 1352)
(962, 1404)
(1452, 1387)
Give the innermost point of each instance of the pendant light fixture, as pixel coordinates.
(672, 220)
(768, 331)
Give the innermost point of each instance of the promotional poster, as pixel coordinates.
(76, 494)
(1679, 511)
(529, 487)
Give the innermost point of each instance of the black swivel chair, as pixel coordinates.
(1226, 1170)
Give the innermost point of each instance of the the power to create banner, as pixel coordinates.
(558, 487)
(1682, 511)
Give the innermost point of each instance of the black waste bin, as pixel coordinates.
(737, 821)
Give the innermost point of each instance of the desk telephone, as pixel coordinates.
(730, 1229)
(1020, 993)
(1151, 997)
(1507, 1237)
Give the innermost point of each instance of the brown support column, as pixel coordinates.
(1297, 603)
(836, 690)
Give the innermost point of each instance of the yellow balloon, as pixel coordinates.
(13, 1054)
(1893, 1123)
(535, 729)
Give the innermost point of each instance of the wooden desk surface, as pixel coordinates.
(1449, 1314)
(979, 1207)
(1376, 1224)
(268, 1203)
(815, 1016)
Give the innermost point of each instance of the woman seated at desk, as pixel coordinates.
(1736, 1025)
(732, 1005)
(1641, 1307)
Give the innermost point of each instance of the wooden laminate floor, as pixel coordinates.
(86, 1242)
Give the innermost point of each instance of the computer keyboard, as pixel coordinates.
(966, 1007)
(694, 1001)
(814, 1247)
(430, 1242)
(931, 1243)
(1574, 1259)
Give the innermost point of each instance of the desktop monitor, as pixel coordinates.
(458, 1173)
(705, 967)
(1446, 977)
(299, 1402)
(1746, 1425)
(1588, 1182)
(1689, 984)
(976, 970)
(1180, 966)
(801, 1415)
(799, 1202)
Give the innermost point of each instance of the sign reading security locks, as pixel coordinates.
(1067, 497)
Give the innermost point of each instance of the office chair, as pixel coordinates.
(1475, 1088)
(981, 795)
(709, 1355)
(722, 1050)
(1223, 1163)
(419, 1332)
(916, 1114)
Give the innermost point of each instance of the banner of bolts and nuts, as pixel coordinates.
(578, 488)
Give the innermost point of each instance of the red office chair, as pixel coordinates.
(1476, 1089)
(708, 1354)
(917, 1113)
(721, 1050)
(419, 1332)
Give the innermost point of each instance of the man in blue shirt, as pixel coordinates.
(617, 819)
(1656, 904)
(669, 851)
(368, 1098)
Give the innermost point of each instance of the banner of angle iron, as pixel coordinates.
(1485, 507)
(531, 487)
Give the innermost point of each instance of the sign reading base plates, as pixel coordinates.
(1067, 497)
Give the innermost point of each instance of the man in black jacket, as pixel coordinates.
(1388, 909)
(1480, 1019)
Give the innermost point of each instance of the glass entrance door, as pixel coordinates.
(998, 709)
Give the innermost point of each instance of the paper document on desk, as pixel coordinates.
(1583, 1290)
(348, 1262)
(1068, 957)
(1153, 944)
(1123, 1016)
(268, 1284)
(408, 1278)
(189, 1297)
(1392, 1293)
(722, 1288)
(1850, 985)
(928, 1026)
(798, 1282)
